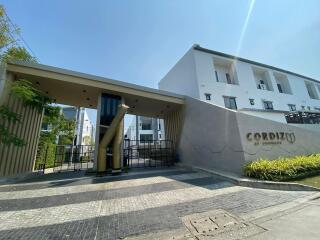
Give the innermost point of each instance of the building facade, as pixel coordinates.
(145, 129)
(246, 86)
(85, 129)
(219, 112)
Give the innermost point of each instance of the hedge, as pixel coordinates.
(283, 169)
(41, 154)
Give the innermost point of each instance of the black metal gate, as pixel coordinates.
(69, 157)
(155, 153)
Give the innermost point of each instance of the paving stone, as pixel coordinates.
(127, 211)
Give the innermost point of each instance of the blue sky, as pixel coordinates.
(139, 41)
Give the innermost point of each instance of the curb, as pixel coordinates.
(15, 179)
(248, 182)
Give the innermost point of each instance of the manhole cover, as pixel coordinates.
(218, 223)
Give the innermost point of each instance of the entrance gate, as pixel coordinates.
(148, 153)
(78, 157)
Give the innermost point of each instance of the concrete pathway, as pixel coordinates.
(154, 201)
(302, 222)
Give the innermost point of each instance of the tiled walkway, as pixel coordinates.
(116, 207)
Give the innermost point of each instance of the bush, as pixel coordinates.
(283, 169)
(41, 154)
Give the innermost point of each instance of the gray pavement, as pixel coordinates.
(302, 222)
(135, 205)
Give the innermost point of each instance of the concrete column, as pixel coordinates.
(97, 134)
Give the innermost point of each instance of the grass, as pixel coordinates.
(284, 169)
(311, 181)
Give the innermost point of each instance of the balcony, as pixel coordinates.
(225, 72)
(262, 79)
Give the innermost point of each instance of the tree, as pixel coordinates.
(59, 128)
(16, 53)
(23, 90)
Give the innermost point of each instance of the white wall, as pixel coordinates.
(274, 116)
(181, 78)
(247, 86)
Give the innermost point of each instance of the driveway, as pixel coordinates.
(75, 206)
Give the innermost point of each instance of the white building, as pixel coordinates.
(145, 129)
(250, 87)
(85, 129)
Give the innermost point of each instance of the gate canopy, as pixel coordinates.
(83, 90)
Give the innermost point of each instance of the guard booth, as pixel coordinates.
(89, 91)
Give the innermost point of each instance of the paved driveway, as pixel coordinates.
(116, 207)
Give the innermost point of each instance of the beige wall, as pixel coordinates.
(210, 137)
(304, 142)
(216, 138)
(172, 124)
(19, 160)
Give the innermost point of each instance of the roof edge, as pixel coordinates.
(63, 71)
(199, 48)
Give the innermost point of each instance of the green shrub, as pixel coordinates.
(46, 154)
(283, 169)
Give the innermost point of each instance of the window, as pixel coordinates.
(262, 78)
(225, 71)
(228, 78)
(282, 82)
(251, 100)
(230, 102)
(146, 126)
(292, 107)
(146, 137)
(208, 96)
(317, 109)
(309, 108)
(303, 107)
(268, 105)
(217, 78)
(311, 90)
(109, 108)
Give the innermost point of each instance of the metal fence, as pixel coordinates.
(148, 153)
(69, 157)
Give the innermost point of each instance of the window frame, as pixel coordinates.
(217, 77)
(230, 106)
(267, 104)
(292, 107)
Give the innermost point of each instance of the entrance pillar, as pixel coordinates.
(108, 136)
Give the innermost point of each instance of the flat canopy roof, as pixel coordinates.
(79, 89)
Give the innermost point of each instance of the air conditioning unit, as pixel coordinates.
(262, 86)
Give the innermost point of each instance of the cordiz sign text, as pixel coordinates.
(270, 138)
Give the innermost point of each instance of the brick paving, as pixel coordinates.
(116, 207)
